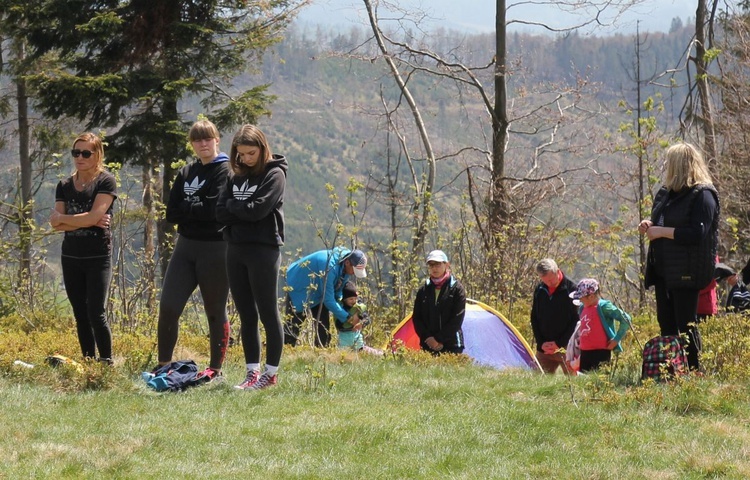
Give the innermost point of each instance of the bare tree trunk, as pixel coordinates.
(701, 65)
(499, 212)
(149, 272)
(642, 193)
(26, 211)
(171, 143)
(426, 194)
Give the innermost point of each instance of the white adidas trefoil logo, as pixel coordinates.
(243, 192)
(192, 187)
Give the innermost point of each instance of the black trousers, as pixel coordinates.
(321, 317)
(87, 284)
(591, 359)
(676, 312)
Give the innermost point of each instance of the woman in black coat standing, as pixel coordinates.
(683, 235)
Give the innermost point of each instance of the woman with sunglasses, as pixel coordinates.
(251, 209)
(198, 256)
(83, 211)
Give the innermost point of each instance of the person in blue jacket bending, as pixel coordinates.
(315, 282)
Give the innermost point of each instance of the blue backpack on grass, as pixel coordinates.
(173, 377)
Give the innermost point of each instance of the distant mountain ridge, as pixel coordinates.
(478, 16)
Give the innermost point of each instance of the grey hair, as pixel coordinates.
(546, 265)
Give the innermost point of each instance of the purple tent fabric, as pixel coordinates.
(491, 340)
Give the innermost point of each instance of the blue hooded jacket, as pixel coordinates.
(319, 278)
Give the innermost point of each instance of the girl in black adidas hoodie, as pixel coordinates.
(251, 208)
(198, 256)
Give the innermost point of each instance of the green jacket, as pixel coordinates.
(609, 313)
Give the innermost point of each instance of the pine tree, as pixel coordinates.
(129, 66)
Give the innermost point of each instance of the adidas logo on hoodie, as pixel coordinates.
(191, 188)
(243, 192)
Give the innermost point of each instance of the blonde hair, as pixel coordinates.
(685, 167)
(251, 136)
(203, 129)
(98, 149)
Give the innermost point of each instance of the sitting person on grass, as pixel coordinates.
(350, 331)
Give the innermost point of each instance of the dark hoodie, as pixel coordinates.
(192, 200)
(251, 205)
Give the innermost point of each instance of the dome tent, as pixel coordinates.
(489, 337)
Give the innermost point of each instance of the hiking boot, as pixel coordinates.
(250, 380)
(208, 375)
(264, 381)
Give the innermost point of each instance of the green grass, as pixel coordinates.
(341, 416)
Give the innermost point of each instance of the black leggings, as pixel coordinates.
(676, 312)
(253, 278)
(321, 316)
(202, 264)
(86, 283)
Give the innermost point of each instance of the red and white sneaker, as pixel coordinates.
(264, 381)
(209, 375)
(250, 380)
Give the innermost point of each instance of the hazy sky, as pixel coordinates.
(479, 15)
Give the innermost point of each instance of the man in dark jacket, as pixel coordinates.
(553, 315)
(439, 308)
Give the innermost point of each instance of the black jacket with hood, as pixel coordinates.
(193, 197)
(251, 206)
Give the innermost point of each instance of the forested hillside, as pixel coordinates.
(328, 117)
(333, 117)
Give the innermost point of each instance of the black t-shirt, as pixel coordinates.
(86, 242)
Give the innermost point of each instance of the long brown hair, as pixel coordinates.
(251, 136)
(98, 149)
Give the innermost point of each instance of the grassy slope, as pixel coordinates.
(334, 416)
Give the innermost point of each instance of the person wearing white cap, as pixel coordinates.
(439, 308)
(316, 282)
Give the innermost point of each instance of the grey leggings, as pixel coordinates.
(253, 277)
(195, 263)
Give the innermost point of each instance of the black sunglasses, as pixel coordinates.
(83, 153)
